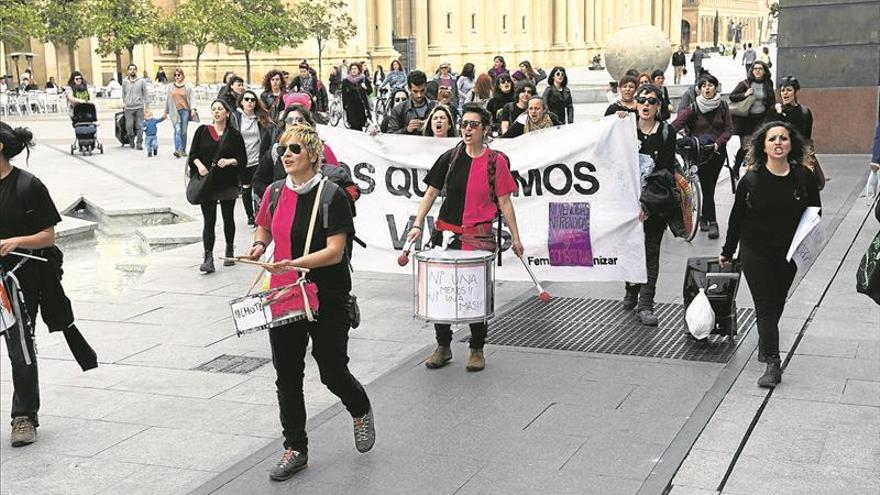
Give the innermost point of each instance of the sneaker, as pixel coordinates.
(24, 431)
(630, 300)
(441, 356)
(648, 318)
(713, 230)
(772, 375)
(476, 361)
(364, 432)
(176, 154)
(292, 461)
(150, 154)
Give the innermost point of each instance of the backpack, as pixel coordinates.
(749, 180)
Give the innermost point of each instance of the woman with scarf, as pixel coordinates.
(557, 96)
(355, 93)
(291, 223)
(499, 68)
(523, 93)
(536, 117)
(218, 149)
(256, 127)
(502, 94)
(708, 120)
(468, 210)
(273, 93)
(77, 90)
(759, 85)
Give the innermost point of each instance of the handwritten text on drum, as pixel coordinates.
(558, 179)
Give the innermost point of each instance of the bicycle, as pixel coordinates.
(381, 104)
(687, 178)
(335, 111)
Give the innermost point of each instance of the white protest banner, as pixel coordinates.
(577, 206)
(808, 239)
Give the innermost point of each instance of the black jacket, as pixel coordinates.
(661, 198)
(559, 103)
(402, 113)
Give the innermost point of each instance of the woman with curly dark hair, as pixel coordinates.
(273, 93)
(439, 122)
(770, 199)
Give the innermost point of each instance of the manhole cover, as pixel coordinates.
(601, 325)
(228, 363)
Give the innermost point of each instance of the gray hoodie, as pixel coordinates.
(134, 93)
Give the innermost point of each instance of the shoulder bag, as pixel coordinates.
(741, 108)
(197, 185)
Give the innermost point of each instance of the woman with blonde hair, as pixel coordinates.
(302, 208)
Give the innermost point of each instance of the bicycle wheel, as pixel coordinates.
(335, 114)
(695, 206)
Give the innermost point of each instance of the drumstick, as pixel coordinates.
(29, 256)
(543, 294)
(248, 261)
(403, 259)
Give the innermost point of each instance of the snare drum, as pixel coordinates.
(454, 286)
(267, 309)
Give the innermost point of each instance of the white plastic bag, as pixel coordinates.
(872, 188)
(700, 317)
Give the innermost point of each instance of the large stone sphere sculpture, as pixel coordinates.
(640, 46)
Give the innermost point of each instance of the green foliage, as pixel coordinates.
(123, 24)
(66, 21)
(198, 23)
(259, 25)
(325, 20)
(19, 20)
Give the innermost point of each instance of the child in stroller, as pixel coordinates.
(85, 125)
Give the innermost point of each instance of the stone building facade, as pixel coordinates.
(739, 21)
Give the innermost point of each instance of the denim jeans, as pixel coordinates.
(180, 130)
(151, 143)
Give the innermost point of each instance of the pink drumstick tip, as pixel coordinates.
(403, 259)
(545, 296)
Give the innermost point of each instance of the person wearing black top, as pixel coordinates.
(161, 78)
(218, 148)
(770, 200)
(535, 118)
(287, 224)
(557, 96)
(355, 90)
(27, 226)
(759, 85)
(626, 104)
(511, 111)
(657, 149)
(658, 78)
(502, 94)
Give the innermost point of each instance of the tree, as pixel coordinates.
(19, 20)
(66, 22)
(123, 24)
(198, 23)
(260, 25)
(325, 20)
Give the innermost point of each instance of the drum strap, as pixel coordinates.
(307, 248)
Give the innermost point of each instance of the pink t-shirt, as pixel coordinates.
(280, 225)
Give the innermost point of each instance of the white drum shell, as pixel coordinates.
(454, 286)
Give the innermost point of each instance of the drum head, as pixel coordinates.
(454, 256)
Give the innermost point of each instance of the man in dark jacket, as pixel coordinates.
(697, 59)
(307, 82)
(678, 62)
(408, 116)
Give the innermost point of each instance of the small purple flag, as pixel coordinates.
(568, 236)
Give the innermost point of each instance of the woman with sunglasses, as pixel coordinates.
(759, 85)
(511, 111)
(444, 78)
(398, 96)
(253, 122)
(180, 105)
(439, 122)
(287, 224)
(656, 153)
(77, 90)
(707, 120)
(557, 96)
(217, 148)
(626, 89)
(502, 94)
(770, 199)
(468, 213)
(355, 98)
(273, 93)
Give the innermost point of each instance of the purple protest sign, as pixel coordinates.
(568, 236)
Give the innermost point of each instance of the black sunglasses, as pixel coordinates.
(248, 99)
(281, 149)
(400, 98)
(650, 101)
(470, 124)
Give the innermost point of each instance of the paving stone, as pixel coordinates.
(158, 480)
(861, 392)
(869, 351)
(792, 413)
(191, 449)
(52, 474)
(758, 477)
(703, 469)
(723, 436)
(672, 402)
(83, 402)
(834, 367)
(180, 383)
(619, 458)
(525, 476)
(80, 437)
(778, 442)
(828, 347)
(856, 450)
(690, 490)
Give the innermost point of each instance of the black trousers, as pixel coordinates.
(654, 228)
(329, 336)
(247, 197)
(708, 174)
(209, 214)
(770, 276)
(25, 377)
(479, 331)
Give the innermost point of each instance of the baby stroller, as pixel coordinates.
(85, 125)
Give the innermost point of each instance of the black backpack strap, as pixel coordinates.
(23, 187)
(275, 194)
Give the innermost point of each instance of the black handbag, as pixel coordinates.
(868, 274)
(197, 185)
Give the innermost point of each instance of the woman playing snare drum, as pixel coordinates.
(478, 183)
(285, 218)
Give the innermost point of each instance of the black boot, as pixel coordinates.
(631, 298)
(772, 375)
(208, 265)
(713, 230)
(230, 253)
